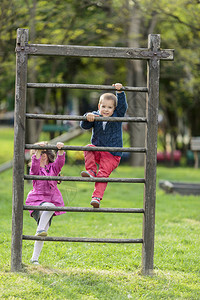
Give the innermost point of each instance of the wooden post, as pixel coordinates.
(153, 67)
(19, 146)
(196, 160)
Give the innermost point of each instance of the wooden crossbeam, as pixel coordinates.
(83, 239)
(83, 118)
(85, 148)
(85, 86)
(95, 51)
(83, 209)
(84, 179)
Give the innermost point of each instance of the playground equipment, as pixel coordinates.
(153, 54)
(182, 188)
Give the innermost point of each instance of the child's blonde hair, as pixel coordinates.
(108, 96)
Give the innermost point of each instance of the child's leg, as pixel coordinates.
(90, 161)
(107, 164)
(45, 216)
(38, 247)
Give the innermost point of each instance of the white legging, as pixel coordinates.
(45, 216)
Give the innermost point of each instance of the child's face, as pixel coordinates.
(44, 156)
(106, 107)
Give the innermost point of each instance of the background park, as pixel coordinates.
(106, 271)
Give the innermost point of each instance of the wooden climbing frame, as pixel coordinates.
(153, 54)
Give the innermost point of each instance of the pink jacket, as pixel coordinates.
(46, 190)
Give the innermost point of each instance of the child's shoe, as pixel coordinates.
(34, 262)
(41, 233)
(95, 202)
(88, 174)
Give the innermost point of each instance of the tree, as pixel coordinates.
(177, 22)
(179, 25)
(136, 77)
(107, 23)
(47, 25)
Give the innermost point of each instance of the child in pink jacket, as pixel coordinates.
(45, 192)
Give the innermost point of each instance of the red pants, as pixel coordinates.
(107, 163)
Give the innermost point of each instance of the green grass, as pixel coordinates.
(7, 145)
(106, 271)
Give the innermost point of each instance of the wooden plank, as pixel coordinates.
(153, 72)
(67, 136)
(85, 148)
(5, 166)
(83, 118)
(182, 188)
(81, 240)
(96, 51)
(85, 87)
(84, 179)
(84, 209)
(19, 143)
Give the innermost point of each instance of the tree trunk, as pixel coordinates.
(32, 126)
(136, 101)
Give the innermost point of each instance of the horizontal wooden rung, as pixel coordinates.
(85, 87)
(85, 148)
(83, 118)
(84, 179)
(82, 240)
(84, 209)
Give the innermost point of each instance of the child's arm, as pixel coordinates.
(60, 160)
(118, 87)
(35, 163)
(38, 151)
(89, 123)
(35, 160)
(121, 101)
(90, 117)
(59, 145)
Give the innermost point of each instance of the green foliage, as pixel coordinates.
(179, 26)
(88, 23)
(104, 23)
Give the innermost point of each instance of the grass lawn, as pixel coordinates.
(6, 138)
(107, 271)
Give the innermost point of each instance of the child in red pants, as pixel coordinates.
(104, 134)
